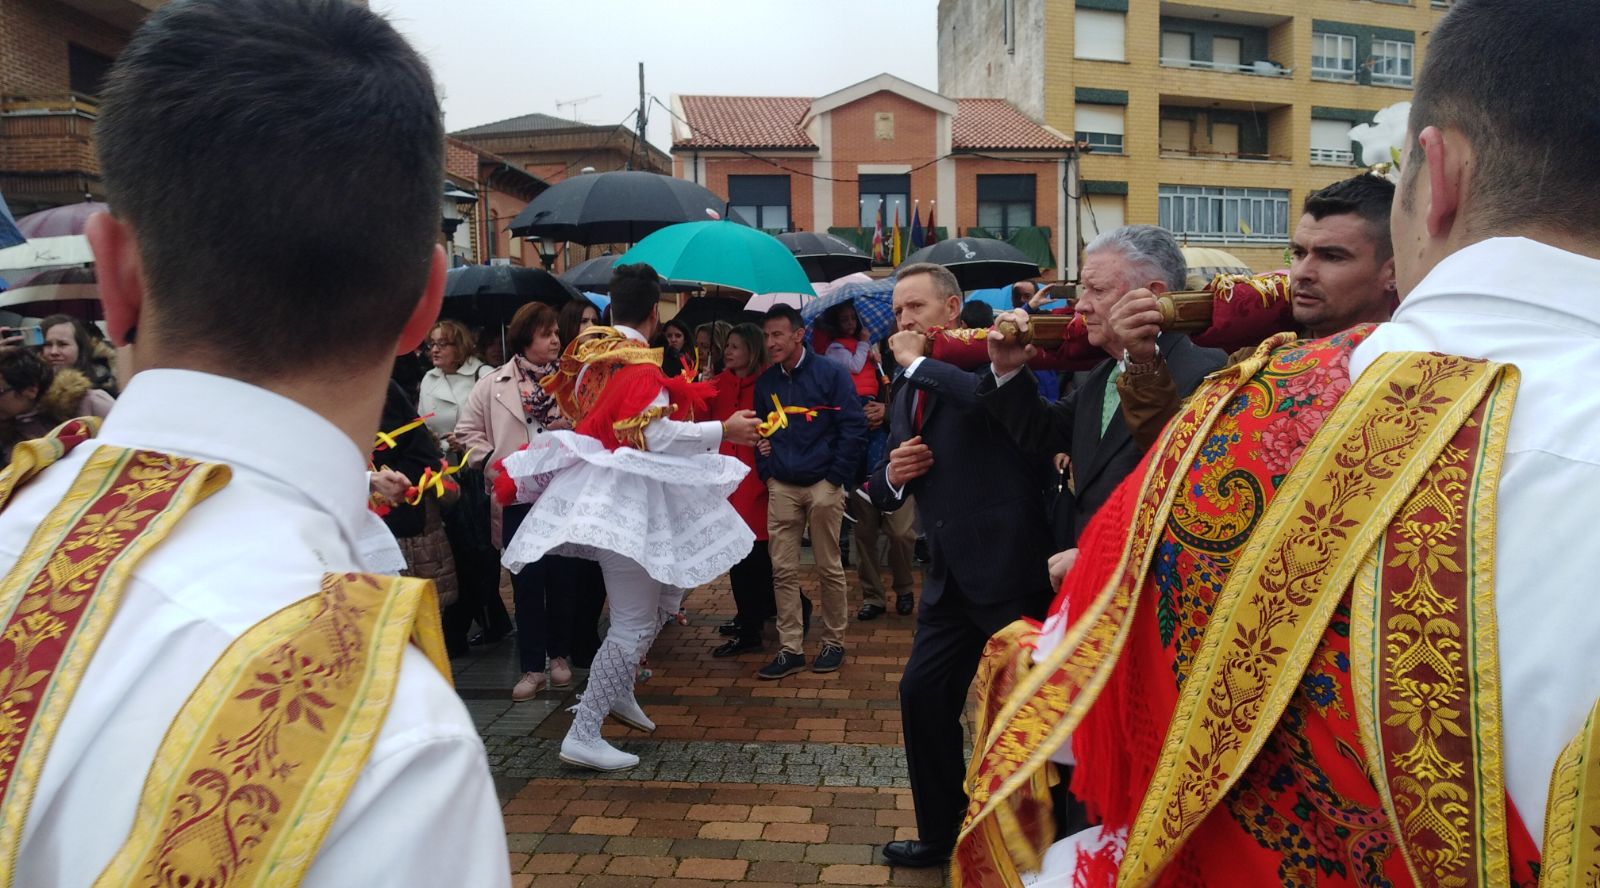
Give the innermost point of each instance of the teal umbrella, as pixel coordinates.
(726, 254)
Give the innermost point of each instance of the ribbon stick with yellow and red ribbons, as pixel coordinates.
(779, 417)
(436, 481)
(386, 440)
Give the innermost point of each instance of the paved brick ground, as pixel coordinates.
(745, 782)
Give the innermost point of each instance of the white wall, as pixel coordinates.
(975, 60)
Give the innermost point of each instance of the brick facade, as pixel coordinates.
(47, 154)
(883, 126)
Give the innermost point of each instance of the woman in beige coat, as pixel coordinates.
(503, 411)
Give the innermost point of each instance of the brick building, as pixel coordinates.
(54, 55)
(553, 148)
(980, 166)
(483, 193)
(1213, 119)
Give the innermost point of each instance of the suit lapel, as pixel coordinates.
(1086, 425)
(1116, 436)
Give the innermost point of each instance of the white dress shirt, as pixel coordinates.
(1522, 302)
(422, 813)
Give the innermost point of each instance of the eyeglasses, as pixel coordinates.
(436, 344)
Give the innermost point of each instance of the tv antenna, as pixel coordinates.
(573, 104)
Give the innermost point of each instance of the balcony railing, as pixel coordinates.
(1342, 156)
(49, 106)
(1245, 157)
(1262, 68)
(1320, 72)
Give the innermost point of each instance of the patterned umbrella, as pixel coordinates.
(874, 302)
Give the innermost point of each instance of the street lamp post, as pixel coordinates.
(547, 251)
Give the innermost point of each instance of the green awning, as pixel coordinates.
(1033, 241)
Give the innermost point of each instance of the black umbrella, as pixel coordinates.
(491, 294)
(705, 309)
(824, 256)
(594, 276)
(615, 208)
(978, 262)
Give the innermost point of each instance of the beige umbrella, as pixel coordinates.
(1206, 263)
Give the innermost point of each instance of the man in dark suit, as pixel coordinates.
(1088, 423)
(982, 507)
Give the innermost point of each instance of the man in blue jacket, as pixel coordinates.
(807, 465)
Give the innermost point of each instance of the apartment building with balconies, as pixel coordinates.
(1212, 119)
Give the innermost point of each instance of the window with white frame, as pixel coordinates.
(1100, 126)
(1099, 34)
(1333, 56)
(1225, 215)
(1330, 142)
(1392, 62)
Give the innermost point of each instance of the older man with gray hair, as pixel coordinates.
(1087, 424)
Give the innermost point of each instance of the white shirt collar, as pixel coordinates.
(1513, 277)
(629, 332)
(217, 419)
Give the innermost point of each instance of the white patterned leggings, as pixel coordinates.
(639, 604)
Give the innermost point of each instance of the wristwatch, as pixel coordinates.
(1131, 367)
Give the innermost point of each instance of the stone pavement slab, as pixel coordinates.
(744, 782)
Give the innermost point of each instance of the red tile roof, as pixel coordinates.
(745, 122)
(996, 124)
(767, 122)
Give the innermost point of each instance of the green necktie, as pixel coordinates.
(1113, 400)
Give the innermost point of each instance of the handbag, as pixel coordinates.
(428, 555)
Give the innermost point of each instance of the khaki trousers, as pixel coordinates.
(896, 528)
(790, 508)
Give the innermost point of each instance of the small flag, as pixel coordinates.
(1244, 227)
(933, 233)
(917, 242)
(877, 234)
(894, 239)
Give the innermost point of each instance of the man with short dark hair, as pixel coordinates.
(204, 687)
(808, 462)
(1341, 275)
(980, 500)
(1352, 598)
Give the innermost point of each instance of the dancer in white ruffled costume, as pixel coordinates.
(639, 487)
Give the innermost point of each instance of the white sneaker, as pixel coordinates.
(596, 754)
(627, 711)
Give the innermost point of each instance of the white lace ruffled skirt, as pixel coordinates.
(667, 512)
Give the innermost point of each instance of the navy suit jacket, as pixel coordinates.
(982, 504)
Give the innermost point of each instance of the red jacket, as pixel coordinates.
(749, 499)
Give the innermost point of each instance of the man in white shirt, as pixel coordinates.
(273, 166)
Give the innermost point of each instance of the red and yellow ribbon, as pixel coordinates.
(386, 440)
(435, 481)
(779, 417)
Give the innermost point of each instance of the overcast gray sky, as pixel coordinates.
(501, 58)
